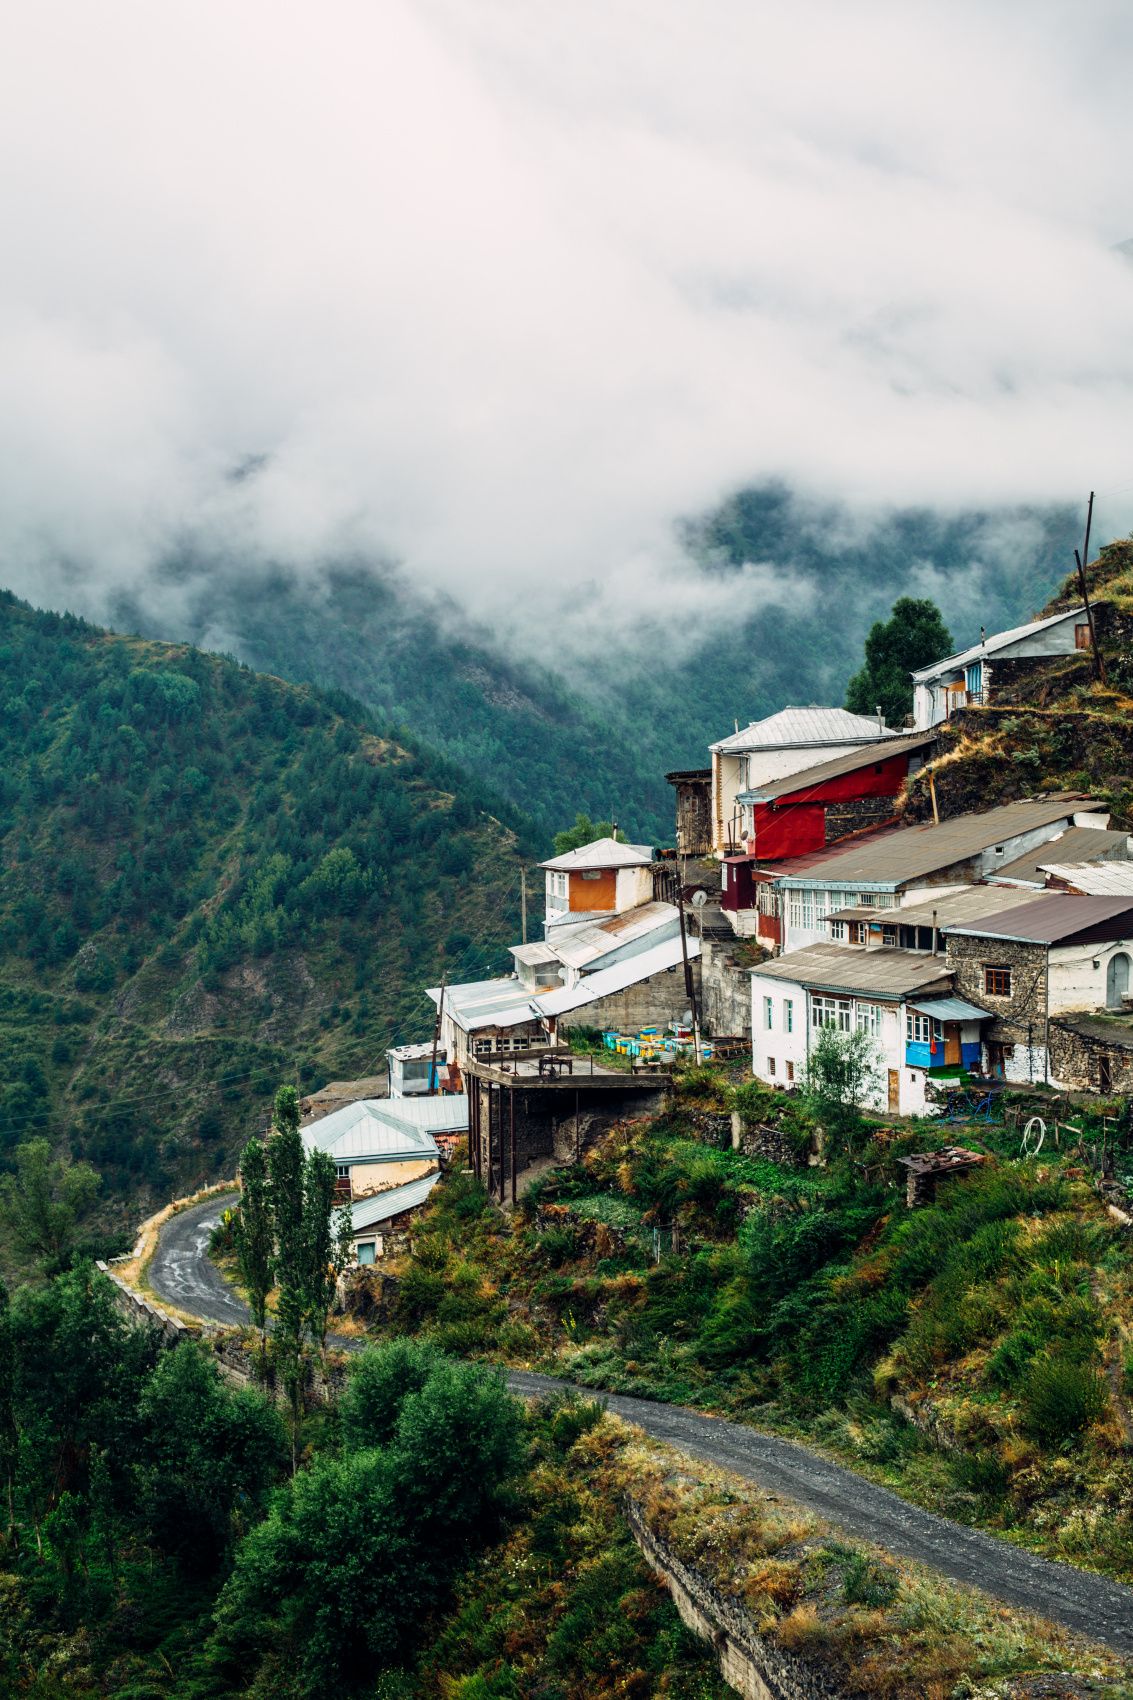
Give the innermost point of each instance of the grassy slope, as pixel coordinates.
(975, 1353)
(213, 880)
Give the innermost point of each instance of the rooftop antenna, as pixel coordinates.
(1080, 563)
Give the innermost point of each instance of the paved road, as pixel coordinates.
(181, 1271)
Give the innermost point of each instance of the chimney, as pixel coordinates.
(736, 724)
(934, 951)
(880, 719)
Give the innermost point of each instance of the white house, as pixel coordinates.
(783, 743)
(970, 676)
(599, 879)
(916, 863)
(414, 1070)
(903, 1001)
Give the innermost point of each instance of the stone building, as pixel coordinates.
(1058, 956)
(976, 675)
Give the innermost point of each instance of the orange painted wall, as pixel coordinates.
(601, 893)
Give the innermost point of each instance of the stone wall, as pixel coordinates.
(759, 1139)
(140, 1311)
(1020, 1020)
(755, 1669)
(856, 814)
(725, 991)
(1087, 1062)
(651, 1003)
(694, 811)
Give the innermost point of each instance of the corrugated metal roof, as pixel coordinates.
(443, 1112)
(533, 954)
(1076, 844)
(1055, 918)
(960, 906)
(998, 641)
(811, 725)
(576, 946)
(915, 851)
(369, 1212)
(610, 980)
(603, 853)
(948, 1009)
(832, 967)
(486, 1003)
(369, 1129)
(411, 1053)
(810, 777)
(1101, 879)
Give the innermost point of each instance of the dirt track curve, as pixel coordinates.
(182, 1273)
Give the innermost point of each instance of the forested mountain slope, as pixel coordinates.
(212, 879)
(598, 727)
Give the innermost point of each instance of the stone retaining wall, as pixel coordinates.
(137, 1309)
(753, 1668)
(758, 1139)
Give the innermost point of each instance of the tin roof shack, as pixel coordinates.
(974, 676)
(693, 787)
(924, 1168)
(486, 1015)
(381, 1225)
(783, 743)
(603, 878)
(529, 1112)
(916, 862)
(883, 993)
(1090, 879)
(920, 926)
(643, 990)
(1093, 1053)
(414, 1070)
(1056, 955)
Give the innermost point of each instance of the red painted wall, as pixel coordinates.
(863, 782)
(788, 832)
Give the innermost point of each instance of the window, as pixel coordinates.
(921, 1029)
(889, 935)
(591, 874)
(366, 1249)
(867, 1018)
(858, 932)
(838, 931)
(790, 1067)
(788, 1016)
(831, 1012)
(771, 1065)
(997, 982)
(343, 1171)
(767, 1009)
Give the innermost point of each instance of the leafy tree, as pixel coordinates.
(381, 1378)
(914, 636)
(585, 831)
(9, 1432)
(322, 1242)
(843, 1069)
(254, 1232)
(207, 1457)
(45, 1199)
(286, 1174)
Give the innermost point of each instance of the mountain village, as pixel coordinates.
(984, 949)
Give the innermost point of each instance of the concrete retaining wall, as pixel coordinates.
(136, 1308)
(752, 1667)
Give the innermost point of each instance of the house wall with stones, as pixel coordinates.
(725, 996)
(650, 1003)
(1088, 1062)
(856, 815)
(1020, 1024)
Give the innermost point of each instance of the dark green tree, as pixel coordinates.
(585, 831)
(254, 1233)
(44, 1200)
(321, 1243)
(286, 1170)
(9, 1433)
(914, 636)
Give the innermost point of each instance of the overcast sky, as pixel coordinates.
(501, 288)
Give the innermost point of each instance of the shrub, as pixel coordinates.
(1059, 1398)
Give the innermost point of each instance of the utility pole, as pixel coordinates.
(436, 1038)
(690, 990)
(523, 900)
(1080, 562)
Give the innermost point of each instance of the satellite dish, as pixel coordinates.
(699, 899)
(686, 1018)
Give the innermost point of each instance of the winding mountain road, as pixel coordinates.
(182, 1272)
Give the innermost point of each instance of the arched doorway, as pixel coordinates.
(1117, 980)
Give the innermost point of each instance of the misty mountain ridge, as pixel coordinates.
(790, 587)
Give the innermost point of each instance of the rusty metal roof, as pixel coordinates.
(881, 973)
(810, 777)
(914, 851)
(1055, 918)
(1076, 844)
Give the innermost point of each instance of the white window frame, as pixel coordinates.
(868, 1018)
(788, 1015)
(832, 1012)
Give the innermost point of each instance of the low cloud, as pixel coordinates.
(502, 292)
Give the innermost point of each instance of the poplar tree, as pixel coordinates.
(254, 1232)
(286, 1173)
(321, 1243)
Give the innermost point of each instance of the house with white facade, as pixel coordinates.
(600, 879)
(911, 865)
(970, 677)
(769, 749)
(904, 1001)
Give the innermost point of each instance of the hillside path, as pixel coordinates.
(182, 1272)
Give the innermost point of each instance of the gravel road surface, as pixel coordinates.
(182, 1273)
